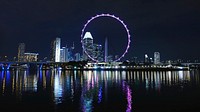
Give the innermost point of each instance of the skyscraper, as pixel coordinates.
(156, 58)
(67, 54)
(62, 55)
(88, 45)
(21, 51)
(55, 50)
(77, 57)
(92, 49)
(57, 55)
(52, 50)
(97, 53)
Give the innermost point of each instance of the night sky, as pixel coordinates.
(171, 27)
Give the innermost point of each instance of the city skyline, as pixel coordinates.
(168, 27)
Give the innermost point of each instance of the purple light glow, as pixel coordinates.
(127, 90)
(116, 18)
(129, 99)
(100, 95)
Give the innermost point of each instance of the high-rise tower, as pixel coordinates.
(55, 50)
(156, 58)
(57, 56)
(88, 45)
(21, 51)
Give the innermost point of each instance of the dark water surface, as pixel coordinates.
(107, 91)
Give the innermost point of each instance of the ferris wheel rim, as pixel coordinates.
(116, 18)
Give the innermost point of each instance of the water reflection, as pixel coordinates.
(89, 89)
(93, 88)
(128, 92)
(29, 82)
(58, 86)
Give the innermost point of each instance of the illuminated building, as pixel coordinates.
(88, 45)
(70, 53)
(151, 60)
(66, 54)
(62, 55)
(146, 58)
(92, 49)
(156, 58)
(77, 57)
(97, 53)
(109, 58)
(52, 54)
(21, 50)
(55, 50)
(30, 57)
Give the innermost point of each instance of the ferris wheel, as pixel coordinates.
(92, 51)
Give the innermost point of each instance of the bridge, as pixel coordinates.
(40, 65)
(84, 65)
(192, 65)
(189, 64)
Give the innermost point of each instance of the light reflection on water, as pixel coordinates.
(128, 93)
(93, 86)
(58, 89)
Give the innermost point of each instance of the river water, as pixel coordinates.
(108, 91)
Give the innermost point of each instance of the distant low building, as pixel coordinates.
(30, 57)
(26, 57)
